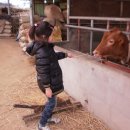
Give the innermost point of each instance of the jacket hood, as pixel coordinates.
(34, 46)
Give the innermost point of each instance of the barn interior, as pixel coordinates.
(102, 8)
(101, 86)
(98, 86)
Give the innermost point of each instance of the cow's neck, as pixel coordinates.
(128, 57)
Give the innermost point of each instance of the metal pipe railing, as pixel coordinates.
(101, 18)
(91, 37)
(78, 34)
(68, 19)
(87, 28)
(92, 28)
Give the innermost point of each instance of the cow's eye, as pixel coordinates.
(110, 42)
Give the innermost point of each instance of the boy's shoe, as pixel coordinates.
(54, 120)
(43, 128)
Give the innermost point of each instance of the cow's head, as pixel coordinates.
(114, 45)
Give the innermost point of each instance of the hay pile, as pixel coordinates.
(5, 28)
(77, 119)
(23, 31)
(24, 28)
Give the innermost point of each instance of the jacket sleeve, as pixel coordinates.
(43, 69)
(29, 49)
(61, 55)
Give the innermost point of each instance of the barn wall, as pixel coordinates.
(126, 12)
(83, 8)
(104, 90)
(103, 8)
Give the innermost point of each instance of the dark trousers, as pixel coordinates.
(47, 112)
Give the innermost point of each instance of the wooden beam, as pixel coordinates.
(35, 116)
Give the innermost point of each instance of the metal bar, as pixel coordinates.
(87, 23)
(128, 29)
(92, 29)
(9, 7)
(108, 24)
(31, 12)
(121, 8)
(100, 18)
(87, 28)
(79, 35)
(68, 20)
(91, 37)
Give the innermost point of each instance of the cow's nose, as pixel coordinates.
(95, 52)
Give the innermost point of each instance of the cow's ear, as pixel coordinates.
(110, 42)
(119, 32)
(121, 42)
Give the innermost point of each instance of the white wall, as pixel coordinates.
(106, 89)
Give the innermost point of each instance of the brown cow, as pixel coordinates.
(114, 46)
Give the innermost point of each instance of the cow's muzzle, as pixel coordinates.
(96, 53)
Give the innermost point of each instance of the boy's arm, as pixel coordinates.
(43, 69)
(61, 55)
(30, 48)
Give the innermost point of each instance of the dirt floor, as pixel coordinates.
(18, 85)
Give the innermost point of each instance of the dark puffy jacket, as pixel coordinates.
(49, 73)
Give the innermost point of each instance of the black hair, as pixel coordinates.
(43, 28)
(32, 32)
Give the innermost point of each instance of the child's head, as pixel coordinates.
(40, 31)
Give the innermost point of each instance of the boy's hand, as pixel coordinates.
(48, 92)
(69, 55)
